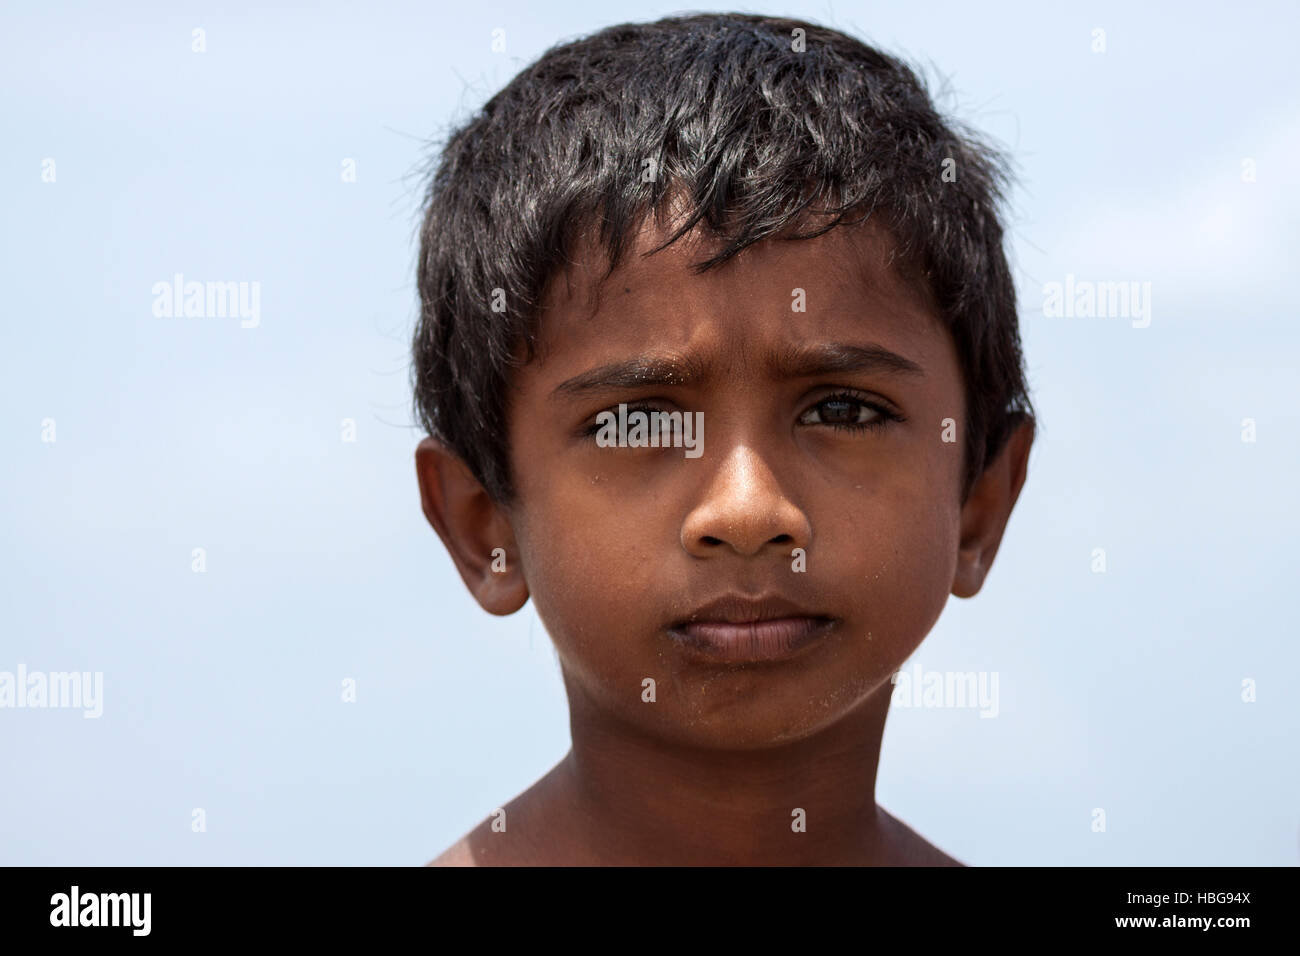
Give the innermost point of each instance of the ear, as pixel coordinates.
(472, 526)
(985, 513)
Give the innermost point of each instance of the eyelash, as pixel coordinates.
(886, 415)
(590, 430)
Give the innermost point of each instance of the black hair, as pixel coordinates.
(761, 124)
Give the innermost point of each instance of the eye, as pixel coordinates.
(849, 411)
(592, 426)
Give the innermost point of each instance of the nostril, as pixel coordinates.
(782, 539)
(709, 539)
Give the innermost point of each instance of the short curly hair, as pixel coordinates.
(759, 124)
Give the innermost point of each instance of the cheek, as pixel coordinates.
(901, 545)
(590, 567)
(585, 551)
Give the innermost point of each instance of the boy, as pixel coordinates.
(760, 226)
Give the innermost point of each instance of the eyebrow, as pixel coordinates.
(809, 361)
(640, 372)
(799, 362)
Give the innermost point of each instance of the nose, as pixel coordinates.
(744, 510)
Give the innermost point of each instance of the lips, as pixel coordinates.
(740, 628)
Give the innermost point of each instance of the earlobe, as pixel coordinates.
(475, 530)
(988, 507)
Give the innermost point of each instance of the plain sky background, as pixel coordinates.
(1120, 690)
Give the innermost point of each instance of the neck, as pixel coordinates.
(626, 797)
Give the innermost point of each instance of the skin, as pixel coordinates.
(613, 545)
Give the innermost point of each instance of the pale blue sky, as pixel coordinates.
(221, 690)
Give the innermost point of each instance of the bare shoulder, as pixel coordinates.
(490, 844)
(459, 853)
(912, 849)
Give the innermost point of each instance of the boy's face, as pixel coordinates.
(823, 436)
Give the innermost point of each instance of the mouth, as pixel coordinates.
(742, 629)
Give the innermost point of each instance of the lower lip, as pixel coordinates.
(759, 641)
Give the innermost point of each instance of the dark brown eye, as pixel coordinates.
(849, 411)
(842, 410)
(837, 411)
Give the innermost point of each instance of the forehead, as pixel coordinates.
(844, 285)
